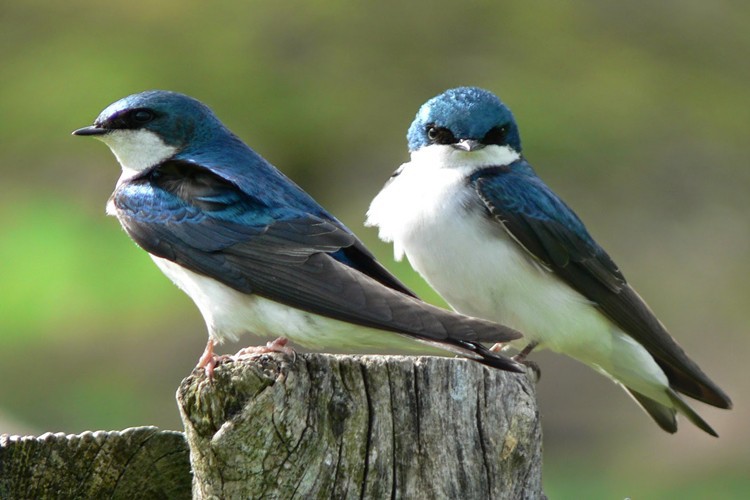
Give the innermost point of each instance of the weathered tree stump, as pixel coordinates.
(141, 462)
(327, 426)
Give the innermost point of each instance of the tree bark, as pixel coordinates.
(325, 426)
(141, 462)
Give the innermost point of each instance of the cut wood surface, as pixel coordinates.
(141, 462)
(326, 426)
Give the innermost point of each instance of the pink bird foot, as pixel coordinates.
(209, 360)
(278, 345)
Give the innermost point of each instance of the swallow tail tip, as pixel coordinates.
(666, 417)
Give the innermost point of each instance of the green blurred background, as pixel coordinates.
(637, 113)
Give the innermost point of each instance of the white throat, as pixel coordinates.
(446, 156)
(429, 189)
(137, 150)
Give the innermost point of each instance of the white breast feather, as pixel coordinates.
(433, 218)
(417, 196)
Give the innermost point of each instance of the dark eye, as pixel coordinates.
(141, 116)
(496, 136)
(440, 135)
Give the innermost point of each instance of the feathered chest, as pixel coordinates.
(418, 201)
(430, 191)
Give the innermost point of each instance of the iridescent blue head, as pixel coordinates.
(466, 118)
(148, 128)
(175, 118)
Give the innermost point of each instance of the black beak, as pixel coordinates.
(468, 145)
(92, 130)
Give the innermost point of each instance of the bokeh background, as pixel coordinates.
(637, 113)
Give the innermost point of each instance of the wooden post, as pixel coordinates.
(325, 426)
(141, 462)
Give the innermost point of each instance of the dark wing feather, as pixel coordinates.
(360, 258)
(551, 232)
(184, 213)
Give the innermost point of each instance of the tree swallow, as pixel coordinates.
(253, 250)
(477, 223)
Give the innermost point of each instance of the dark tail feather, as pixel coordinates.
(662, 415)
(665, 416)
(690, 413)
(477, 352)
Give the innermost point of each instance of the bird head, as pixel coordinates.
(150, 127)
(465, 119)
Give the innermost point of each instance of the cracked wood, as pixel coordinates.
(327, 426)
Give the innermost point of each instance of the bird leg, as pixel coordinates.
(209, 360)
(521, 356)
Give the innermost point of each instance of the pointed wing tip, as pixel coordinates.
(500, 362)
(516, 367)
(494, 359)
(512, 334)
(722, 400)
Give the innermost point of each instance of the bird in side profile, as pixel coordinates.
(253, 250)
(477, 223)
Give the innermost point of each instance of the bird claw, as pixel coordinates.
(278, 345)
(209, 360)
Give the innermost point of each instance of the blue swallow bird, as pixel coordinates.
(477, 223)
(253, 250)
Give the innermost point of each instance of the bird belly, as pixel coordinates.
(482, 272)
(229, 313)
(471, 261)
